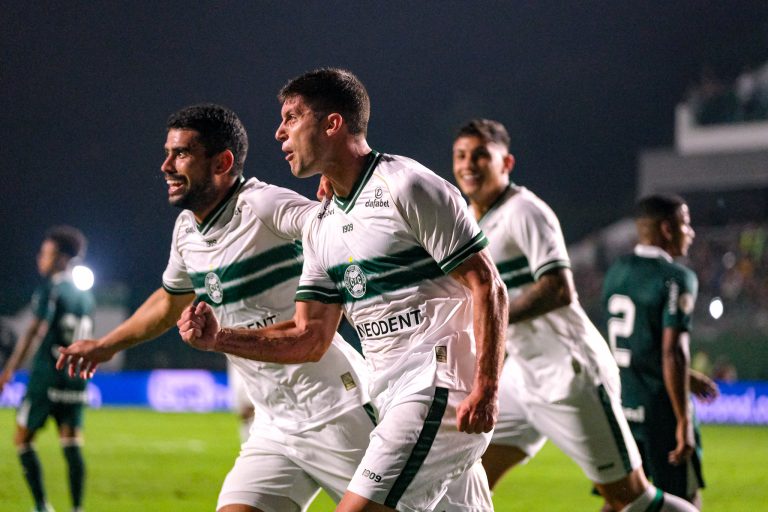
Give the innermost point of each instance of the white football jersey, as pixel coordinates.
(245, 261)
(384, 253)
(526, 241)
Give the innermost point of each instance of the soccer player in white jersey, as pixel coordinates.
(560, 380)
(397, 252)
(234, 247)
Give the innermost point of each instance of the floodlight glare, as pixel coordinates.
(83, 277)
(716, 308)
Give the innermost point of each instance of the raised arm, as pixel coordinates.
(478, 412)
(303, 339)
(158, 314)
(35, 332)
(674, 363)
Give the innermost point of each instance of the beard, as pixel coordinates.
(200, 196)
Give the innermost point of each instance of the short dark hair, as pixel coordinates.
(219, 129)
(658, 207)
(329, 90)
(70, 241)
(487, 129)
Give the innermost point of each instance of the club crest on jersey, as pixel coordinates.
(355, 281)
(213, 287)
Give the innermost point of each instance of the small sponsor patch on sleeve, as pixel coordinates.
(349, 381)
(441, 353)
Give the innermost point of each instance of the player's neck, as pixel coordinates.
(345, 169)
(483, 202)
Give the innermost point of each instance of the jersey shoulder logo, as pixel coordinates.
(213, 287)
(355, 281)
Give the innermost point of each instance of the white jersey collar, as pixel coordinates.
(652, 251)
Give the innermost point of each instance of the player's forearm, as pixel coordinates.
(675, 371)
(490, 304)
(551, 291)
(30, 337)
(283, 343)
(154, 317)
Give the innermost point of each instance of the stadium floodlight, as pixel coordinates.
(716, 307)
(83, 277)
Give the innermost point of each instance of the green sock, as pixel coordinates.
(33, 474)
(74, 457)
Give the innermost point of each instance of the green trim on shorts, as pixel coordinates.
(421, 448)
(370, 412)
(657, 503)
(605, 401)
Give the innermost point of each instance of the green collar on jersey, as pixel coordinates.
(216, 213)
(347, 203)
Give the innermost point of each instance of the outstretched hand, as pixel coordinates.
(477, 413)
(82, 358)
(198, 326)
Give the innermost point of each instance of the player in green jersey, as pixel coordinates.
(61, 313)
(649, 299)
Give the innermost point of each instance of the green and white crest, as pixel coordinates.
(354, 281)
(213, 287)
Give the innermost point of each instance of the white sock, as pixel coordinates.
(654, 500)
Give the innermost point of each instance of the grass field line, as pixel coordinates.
(139, 459)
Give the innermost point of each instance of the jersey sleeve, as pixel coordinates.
(176, 280)
(439, 218)
(681, 300)
(535, 228)
(282, 210)
(315, 284)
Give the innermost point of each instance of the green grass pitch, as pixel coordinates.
(143, 460)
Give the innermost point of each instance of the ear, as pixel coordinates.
(224, 162)
(333, 123)
(665, 230)
(509, 163)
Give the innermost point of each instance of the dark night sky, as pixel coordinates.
(86, 88)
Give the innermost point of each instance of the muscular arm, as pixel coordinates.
(158, 314)
(489, 303)
(674, 362)
(35, 332)
(303, 339)
(553, 290)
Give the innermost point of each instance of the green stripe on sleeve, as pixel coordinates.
(477, 244)
(550, 266)
(319, 294)
(177, 291)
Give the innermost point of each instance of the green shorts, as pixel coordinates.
(64, 405)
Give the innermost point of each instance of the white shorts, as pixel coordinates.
(468, 493)
(238, 396)
(588, 425)
(282, 473)
(416, 451)
(513, 427)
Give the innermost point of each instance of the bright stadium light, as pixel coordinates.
(83, 277)
(716, 308)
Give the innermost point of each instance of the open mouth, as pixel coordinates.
(175, 186)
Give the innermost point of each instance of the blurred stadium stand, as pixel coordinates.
(720, 165)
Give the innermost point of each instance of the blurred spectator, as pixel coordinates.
(716, 100)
